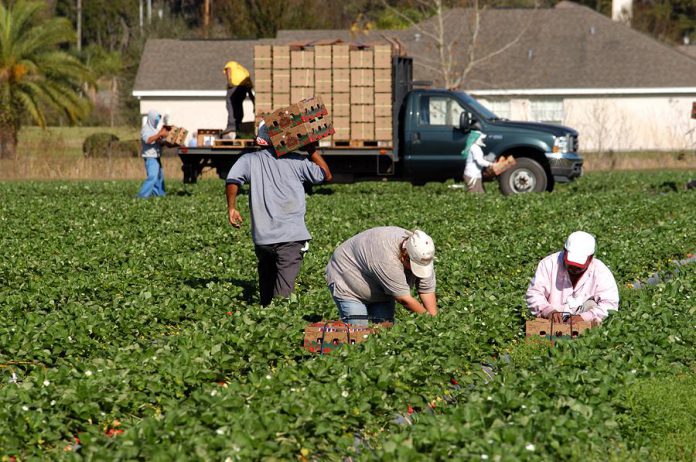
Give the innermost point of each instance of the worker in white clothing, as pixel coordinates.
(475, 161)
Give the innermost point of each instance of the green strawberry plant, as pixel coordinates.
(145, 313)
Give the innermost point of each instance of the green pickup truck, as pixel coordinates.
(430, 129)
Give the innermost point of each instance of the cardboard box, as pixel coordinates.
(326, 336)
(281, 57)
(281, 80)
(320, 127)
(322, 57)
(311, 108)
(383, 80)
(263, 57)
(282, 119)
(546, 329)
(176, 136)
(340, 56)
(302, 77)
(323, 82)
(264, 102)
(383, 104)
(341, 80)
(303, 59)
(362, 113)
(383, 56)
(362, 77)
(340, 105)
(362, 95)
(341, 127)
(362, 58)
(362, 131)
(291, 139)
(263, 80)
(207, 136)
(298, 93)
(503, 163)
(281, 100)
(383, 129)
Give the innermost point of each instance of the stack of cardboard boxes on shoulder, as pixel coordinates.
(299, 124)
(354, 80)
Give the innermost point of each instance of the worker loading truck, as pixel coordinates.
(389, 127)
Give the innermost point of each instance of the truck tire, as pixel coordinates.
(526, 176)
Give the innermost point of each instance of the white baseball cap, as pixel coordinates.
(579, 247)
(421, 253)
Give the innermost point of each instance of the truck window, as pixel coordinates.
(439, 110)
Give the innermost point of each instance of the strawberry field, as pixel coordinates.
(131, 330)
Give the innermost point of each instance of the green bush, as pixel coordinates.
(99, 145)
(108, 145)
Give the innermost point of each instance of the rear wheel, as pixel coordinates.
(526, 176)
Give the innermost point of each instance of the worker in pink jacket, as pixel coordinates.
(573, 284)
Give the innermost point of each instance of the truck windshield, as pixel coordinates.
(482, 110)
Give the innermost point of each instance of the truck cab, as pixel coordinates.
(435, 124)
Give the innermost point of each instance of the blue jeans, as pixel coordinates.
(154, 183)
(359, 314)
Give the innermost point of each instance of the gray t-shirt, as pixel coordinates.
(367, 268)
(277, 197)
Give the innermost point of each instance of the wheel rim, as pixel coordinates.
(523, 180)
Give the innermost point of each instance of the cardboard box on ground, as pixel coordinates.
(545, 329)
(324, 337)
(299, 124)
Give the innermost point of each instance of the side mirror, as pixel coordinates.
(464, 122)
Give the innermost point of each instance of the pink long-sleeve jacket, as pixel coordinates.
(551, 289)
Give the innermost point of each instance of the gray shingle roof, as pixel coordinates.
(569, 46)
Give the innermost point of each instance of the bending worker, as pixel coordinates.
(573, 284)
(277, 203)
(371, 270)
(238, 87)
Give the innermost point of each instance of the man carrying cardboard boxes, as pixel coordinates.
(572, 284)
(277, 205)
(151, 140)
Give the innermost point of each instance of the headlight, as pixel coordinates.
(560, 144)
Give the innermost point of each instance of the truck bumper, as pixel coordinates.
(565, 167)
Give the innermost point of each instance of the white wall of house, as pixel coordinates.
(639, 123)
(611, 122)
(193, 113)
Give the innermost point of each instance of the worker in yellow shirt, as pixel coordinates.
(238, 87)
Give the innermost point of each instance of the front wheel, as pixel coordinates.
(526, 176)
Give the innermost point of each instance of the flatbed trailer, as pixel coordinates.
(348, 163)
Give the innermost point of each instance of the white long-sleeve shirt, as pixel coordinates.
(475, 162)
(551, 289)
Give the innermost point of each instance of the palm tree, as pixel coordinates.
(34, 72)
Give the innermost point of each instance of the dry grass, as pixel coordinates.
(595, 162)
(57, 167)
(56, 153)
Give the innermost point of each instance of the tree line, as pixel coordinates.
(56, 56)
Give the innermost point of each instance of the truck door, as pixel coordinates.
(435, 142)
